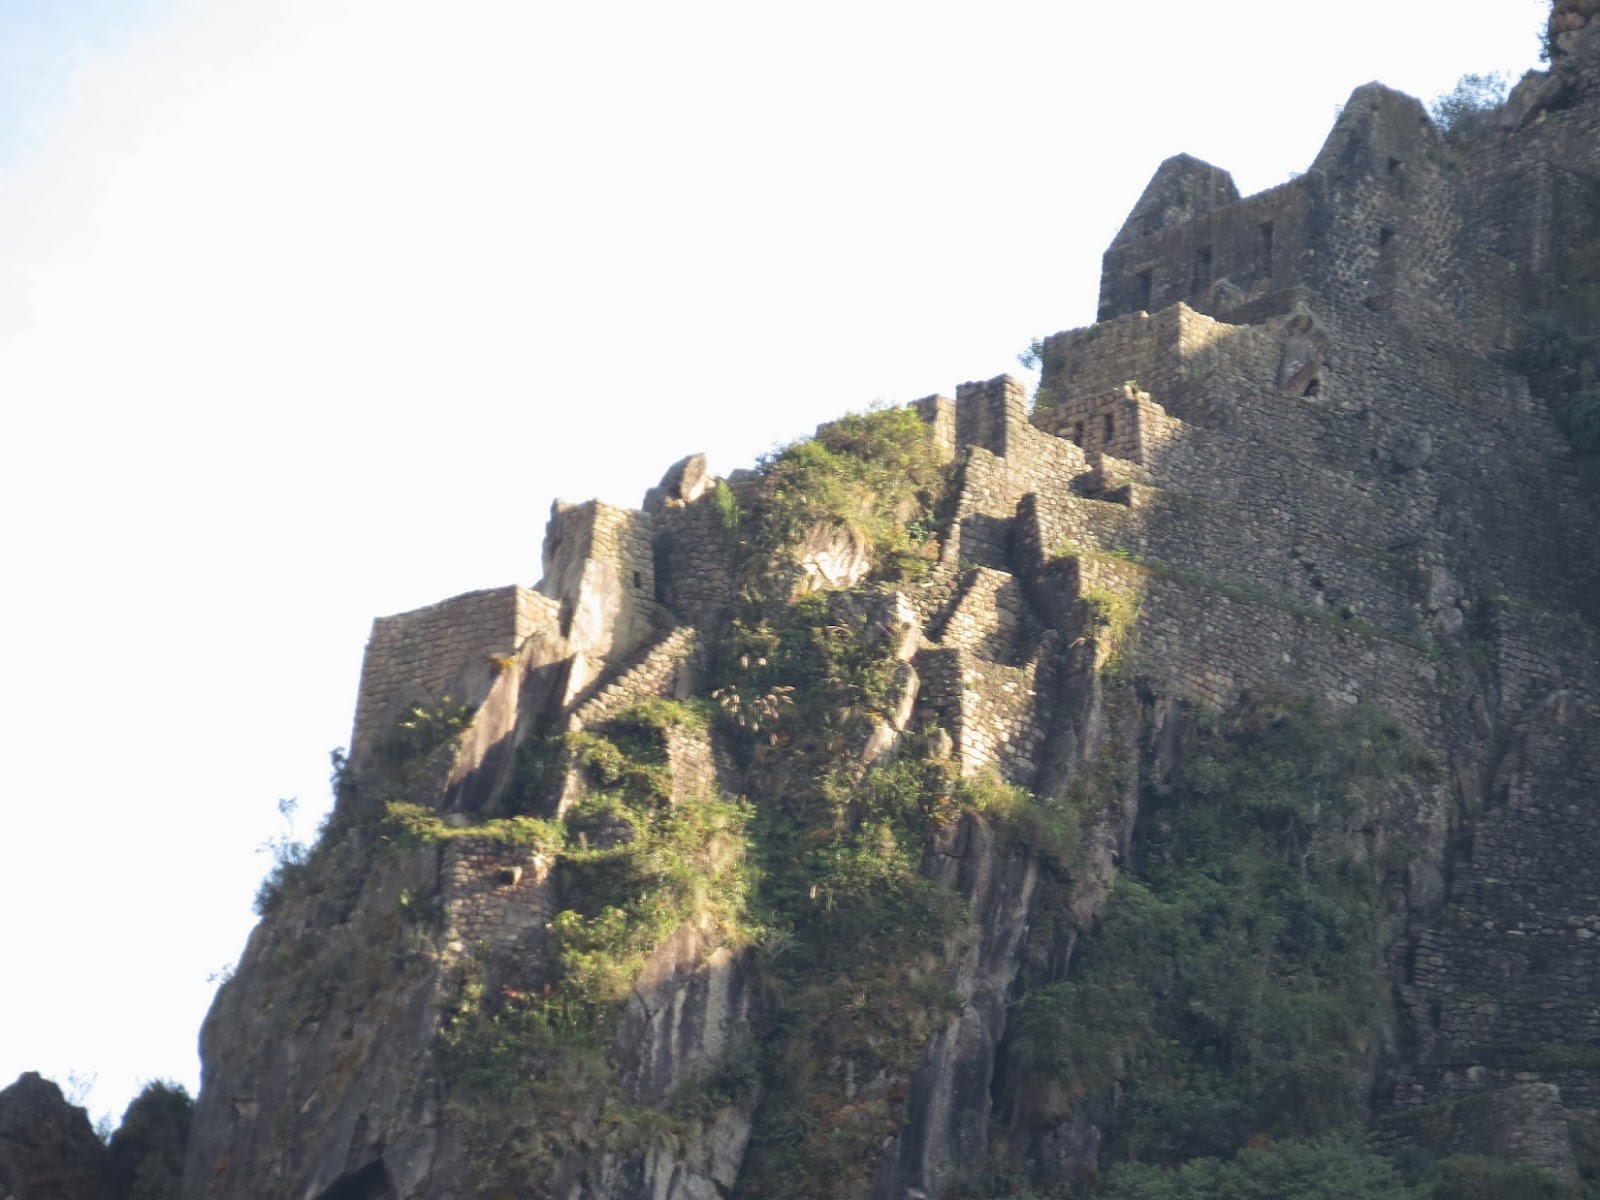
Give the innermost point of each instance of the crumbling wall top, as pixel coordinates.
(1378, 126)
(1182, 189)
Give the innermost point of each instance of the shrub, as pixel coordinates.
(148, 1147)
(527, 1067)
(290, 858)
(1114, 616)
(1294, 1170)
(877, 472)
(1229, 988)
(1474, 1177)
(419, 734)
(1468, 104)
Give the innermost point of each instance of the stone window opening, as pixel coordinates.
(1383, 285)
(1266, 247)
(1077, 433)
(1109, 431)
(1388, 255)
(1143, 290)
(1202, 271)
(1313, 388)
(638, 579)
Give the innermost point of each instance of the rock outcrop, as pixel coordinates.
(547, 946)
(48, 1150)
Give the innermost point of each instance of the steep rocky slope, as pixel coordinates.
(969, 798)
(48, 1149)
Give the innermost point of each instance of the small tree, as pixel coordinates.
(147, 1150)
(1467, 105)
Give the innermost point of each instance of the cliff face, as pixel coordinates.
(771, 845)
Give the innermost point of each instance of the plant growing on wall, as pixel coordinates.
(1232, 982)
(528, 1068)
(1467, 106)
(877, 472)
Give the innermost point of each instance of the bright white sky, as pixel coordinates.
(308, 308)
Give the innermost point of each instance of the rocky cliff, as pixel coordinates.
(973, 796)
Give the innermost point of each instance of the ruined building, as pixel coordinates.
(1289, 445)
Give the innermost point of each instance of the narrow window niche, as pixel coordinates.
(1265, 230)
(1388, 257)
(1109, 429)
(1143, 288)
(1201, 279)
(1077, 433)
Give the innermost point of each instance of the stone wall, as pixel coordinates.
(599, 562)
(1100, 359)
(1230, 253)
(495, 894)
(940, 413)
(1401, 524)
(989, 415)
(1522, 1120)
(1124, 423)
(666, 671)
(984, 619)
(991, 711)
(447, 649)
(694, 554)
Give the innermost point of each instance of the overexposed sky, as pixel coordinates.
(308, 309)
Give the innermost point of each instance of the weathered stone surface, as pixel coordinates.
(336, 986)
(685, 482)
(832, 555)
(48, 1150)
(1288, 459)
(947, 1112)
(705, 1168)
(692, 1005)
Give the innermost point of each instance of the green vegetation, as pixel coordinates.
(1034, 359)
(418, 825)
(1558, 349)
(1235, 975)
(420, 736)
(290, 857)
(878, 473)
(1470, 105)
(1545, 1056)
(854, 949)
(1116, 615)
(728, 506)
(1332, 1170)
(526, 1059)
(856, 936)
(419, 744)
(148, 1147)
(1217, 1022)
(1329, 1170)
(1473, 1177)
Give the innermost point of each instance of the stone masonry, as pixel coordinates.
(1289, 456)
